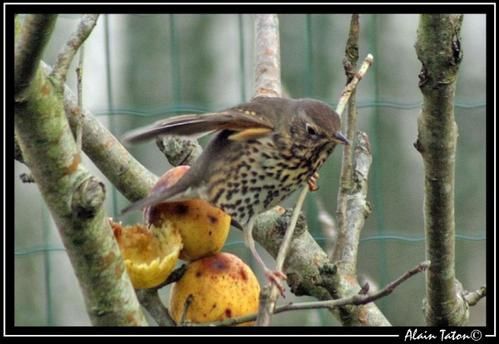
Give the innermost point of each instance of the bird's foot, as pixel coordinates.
(312, 182)
(275, 277)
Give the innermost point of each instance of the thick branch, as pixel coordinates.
(438, 48)
(75, 199)
(268, 60)
(309, 270)
(31, 38)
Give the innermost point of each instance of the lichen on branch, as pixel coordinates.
(438, 47)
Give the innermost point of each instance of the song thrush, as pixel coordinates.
(263, 150)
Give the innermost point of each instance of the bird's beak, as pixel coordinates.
(340, 138)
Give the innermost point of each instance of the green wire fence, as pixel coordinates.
(313, 35)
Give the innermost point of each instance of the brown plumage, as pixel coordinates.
(262, 152)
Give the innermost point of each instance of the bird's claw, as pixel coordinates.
(275, 278)
(312, 182)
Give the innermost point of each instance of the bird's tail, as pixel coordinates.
(177, 192)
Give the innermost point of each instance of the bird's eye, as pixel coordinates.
(311, 131)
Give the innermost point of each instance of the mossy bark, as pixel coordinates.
(438, 48)
(75, 198)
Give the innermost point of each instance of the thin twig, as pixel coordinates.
(188, 302)
(85, 27)
(173, 277)
(356, 299)
(347, 91)
(283, 251)
(473, 297)
(264, 313)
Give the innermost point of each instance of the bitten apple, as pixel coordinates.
(203, 227)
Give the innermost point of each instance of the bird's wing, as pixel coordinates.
(189, 125)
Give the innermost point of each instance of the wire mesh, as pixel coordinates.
(176, 102)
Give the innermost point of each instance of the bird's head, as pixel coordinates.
(316, 126)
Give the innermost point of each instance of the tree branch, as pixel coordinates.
(149, 299)
(356, 299)
(179, 150)
(309, 270)
(268, 60)
(349, 65)
(473, 297)
(31, 38)
(268, 84)
(269, 295)
(347, 91)
(355, 208)
(75, 199)
(438, 47)
(85, 27)
(348, 235)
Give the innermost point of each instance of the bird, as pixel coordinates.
(262, 151)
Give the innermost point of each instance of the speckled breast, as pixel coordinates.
(259, 178)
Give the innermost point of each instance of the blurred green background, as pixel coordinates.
(140, 68)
